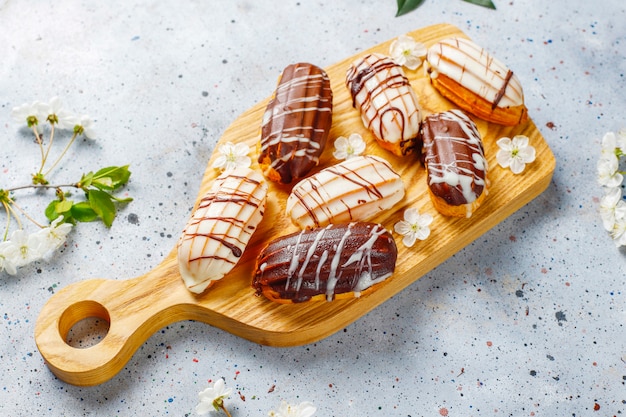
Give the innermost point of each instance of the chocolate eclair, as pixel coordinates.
(476, 82)
(220, 228)
(455, 161)
(296, 123)
(387, 103)
(336, 261)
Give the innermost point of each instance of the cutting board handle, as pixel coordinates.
(134, 309)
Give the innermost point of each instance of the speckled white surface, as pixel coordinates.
(529, 320)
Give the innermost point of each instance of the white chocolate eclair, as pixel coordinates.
(220, 228)
(388, 104)
(474, 80)
(356, 189)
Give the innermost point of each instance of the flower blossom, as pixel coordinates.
(304, 409)
(213, 397)
(56, 114)
(607, 171)
(515, 153)
(27, 247)
(53, 236)
(31, 114)
(354, 145)
(84, 126)
(232, 156)
(8, 257)
(406, 51)
(414, 226)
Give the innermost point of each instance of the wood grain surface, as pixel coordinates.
(138, 307)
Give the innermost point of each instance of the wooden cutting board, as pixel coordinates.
(138, 307)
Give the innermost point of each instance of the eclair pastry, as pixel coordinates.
(455, 162)
(336, 261)
(387, 103)
(476, 82)
(296, 123)
(354, 190)
(220, 228)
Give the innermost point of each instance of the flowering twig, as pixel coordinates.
(19, 248)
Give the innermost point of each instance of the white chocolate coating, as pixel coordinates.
(220, 228)
(475, 69)
(354, 190)
(388, 104)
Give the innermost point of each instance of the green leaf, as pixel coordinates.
(485, 3)
(111, 178)
(64, 206)
(102, 205)
(86, 180)
(83, 212)
(405, 6)
(51, 210)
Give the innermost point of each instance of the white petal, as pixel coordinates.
(411, 215)
(505, 144)
(520, 141)
(422, 233)
(409, 239)
(402, 227)
(517, 166)
(305, 409)
(425, 220)
(527, 154)
(504, 158)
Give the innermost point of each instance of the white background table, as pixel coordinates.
(529, 320)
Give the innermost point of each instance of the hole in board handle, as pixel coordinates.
(84, 324)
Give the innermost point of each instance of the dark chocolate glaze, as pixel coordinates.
(297, 121)
(454, 157)
(326, 261)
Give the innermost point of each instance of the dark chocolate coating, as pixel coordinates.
(326, 261)
(297, 121)
(454, 157)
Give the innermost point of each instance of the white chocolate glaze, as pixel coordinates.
(475, 69)
(354, 190)
(221, 226)
(383, 95)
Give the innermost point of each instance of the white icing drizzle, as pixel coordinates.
(355, 189)
(475, 69)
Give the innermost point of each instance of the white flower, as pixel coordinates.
(619, 231)
(414, 226)
(213, 397)
(304, 409)
(607, 171)
(8, 257)
(29, 113)
(515, 153)
(53, 236)
(408, 52)
(232, 156)
(56, 114)
(610, 205)
(27, 246)
(84, 126)
(354, 145)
